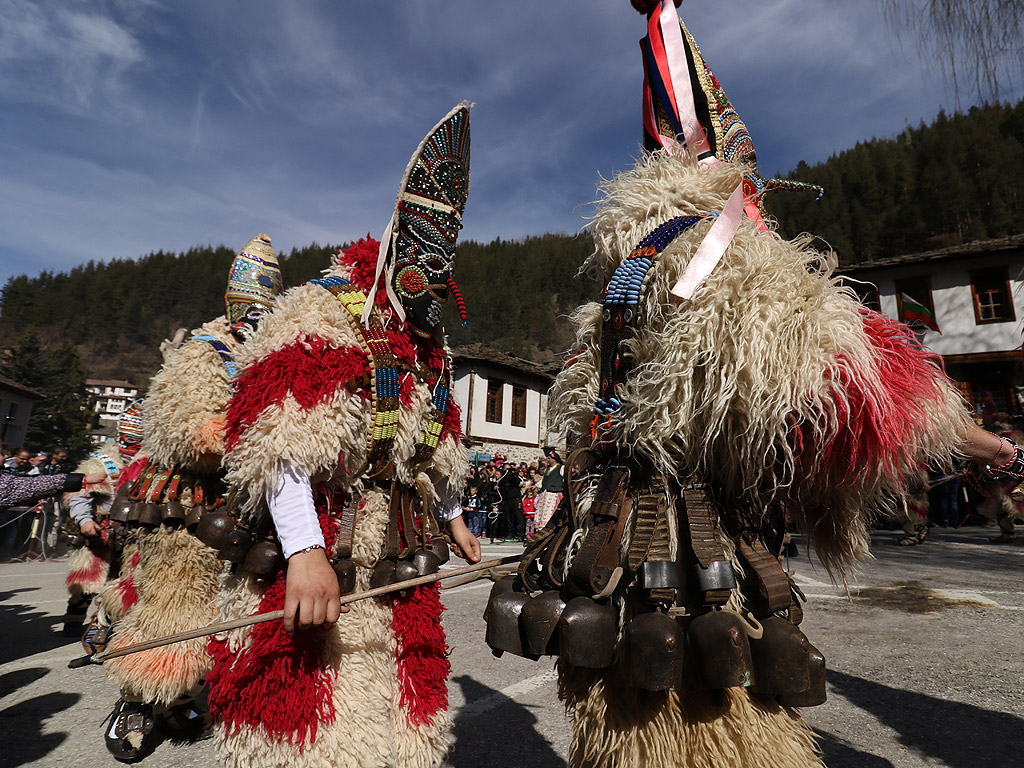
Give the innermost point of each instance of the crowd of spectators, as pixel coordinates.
(505, 501)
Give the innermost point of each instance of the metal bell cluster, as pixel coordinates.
(421, 562)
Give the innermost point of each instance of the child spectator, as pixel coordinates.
(529, 509)
(473, 509)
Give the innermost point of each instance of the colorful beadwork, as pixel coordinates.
(254, 280)
(621, 300)
(225, 355)
(108, 466)
(129, 431)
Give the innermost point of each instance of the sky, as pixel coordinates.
(130, 126)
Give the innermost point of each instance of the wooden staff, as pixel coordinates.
(258, 618)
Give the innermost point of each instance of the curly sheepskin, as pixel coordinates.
(773, 382)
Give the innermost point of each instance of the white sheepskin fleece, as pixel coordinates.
(722, 382)
(184, 410)
(104, 491)
(177, 581)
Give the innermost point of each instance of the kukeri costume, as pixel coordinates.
(96, 560)
(180, 494)
(344, 425)
(722, 381)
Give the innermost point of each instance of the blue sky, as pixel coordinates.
(128, 126)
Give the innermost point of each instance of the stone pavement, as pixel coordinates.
(923, 645)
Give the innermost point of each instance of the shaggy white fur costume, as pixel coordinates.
(773, 385)
(177, 575)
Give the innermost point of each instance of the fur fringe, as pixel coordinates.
(184, 410)
(177, 581)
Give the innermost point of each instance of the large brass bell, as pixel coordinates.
(781, 659)
(263, 559)
(504, 633)
(150, 515)
(133, 513)
(120, 507)
(721, 650)
(173, 513)
(236, 546)
(586, 633)
(656, 644)
(500, 587)
(426, 562)
(345, 570)
(213, 529)
(440, 548)
(405, 570)
(539, 621)
(383, 574)
(194, 516)
(815, 693)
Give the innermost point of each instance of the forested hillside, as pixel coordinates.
(117, 313)
(960, 179)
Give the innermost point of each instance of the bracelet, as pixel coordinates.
(310, 548)
(1013, 457)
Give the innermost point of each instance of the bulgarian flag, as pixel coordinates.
(914, 310)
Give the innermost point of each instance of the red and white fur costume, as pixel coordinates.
(371, 689)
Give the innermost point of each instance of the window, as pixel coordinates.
(518, 406)
(918, 290)
(992, 300)
(493, 411)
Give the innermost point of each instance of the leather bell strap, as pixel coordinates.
(772, 580)
(598, 555)
(702, 523)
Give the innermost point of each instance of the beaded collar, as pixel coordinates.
(621, 299)
(384, 379)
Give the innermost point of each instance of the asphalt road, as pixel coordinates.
(924, 649)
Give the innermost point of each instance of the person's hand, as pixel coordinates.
(311, 596)
(95, 478)
(464, 543)
(89, 529)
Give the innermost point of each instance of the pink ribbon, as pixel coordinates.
(712, 248)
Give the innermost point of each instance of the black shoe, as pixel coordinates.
(186, 722)
(130, 735)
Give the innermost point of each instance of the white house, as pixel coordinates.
(974, 292)
(504, 402)
(15, 408)
(112, 398)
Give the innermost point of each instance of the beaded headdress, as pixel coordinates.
(417, 250)
(253, 282)
(683, 101)
(129, 431)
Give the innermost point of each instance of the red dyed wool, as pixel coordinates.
(311, 370)
(277, 681)
(423, 664)
(125, 588)
(875, 425)
(91, 573)
(452, 424)
(131, 473)
(361, 259)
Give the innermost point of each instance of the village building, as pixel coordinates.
(15, 408)
(112, 398)
(504, 402)
(972, 295)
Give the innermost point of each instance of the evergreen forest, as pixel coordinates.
(958, 180)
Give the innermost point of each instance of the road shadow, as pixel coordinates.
(26, 630)
(26, 720)
(958, 735)
(839, 754)
(498, 732)
(19, 678)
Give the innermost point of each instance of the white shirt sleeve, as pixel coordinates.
(81, 509)
(291, 507)
(449, 505)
